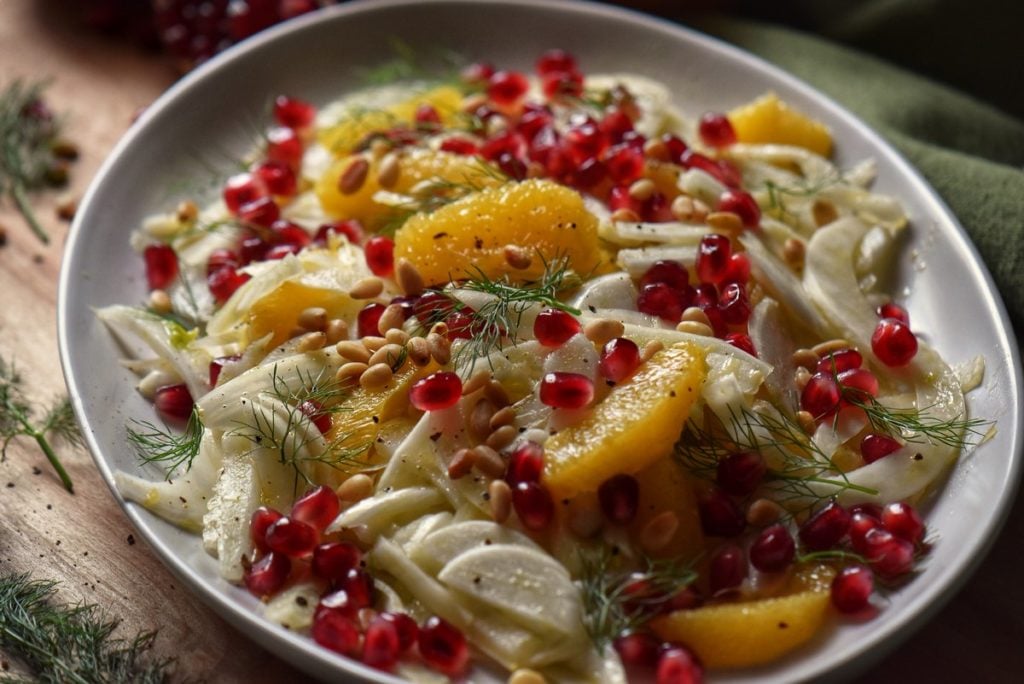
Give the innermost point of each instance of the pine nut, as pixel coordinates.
(504, 416)
(517, 257)
(695, 328)
(700, 210)
(409, 279)
(388, 170)
(480, 419)
(367, 288)
(351, 370)
(336, 330)
(502, 437)
(658, 531)
(489, 461)
(823, 349)
(441, 328)
(313, 318)
(805, 358)
(311, 342)
(527, 676)
(373, 342)
(603, 330)
(625, 216)
(354, 176)
(682, 208)
(642, 189)
(763, 512)
(355, 488)
(725, 222)
(419, 351)
(440, 348)
(187, 211)
(649, 350)
(806, 422)
(353, 351)
(793, 252)
(500, 495)
(476, 382)
(695, 314)
(376, 377)
(461, 464)
(397, 336)
(160, 302)
(801, 377)
(657, 150)
(388, 354)
(823, 212)
(496, 393)
(391, 318)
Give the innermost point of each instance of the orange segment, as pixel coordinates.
(470, 235)
(635, 426)
(665, 486)
(770, 120)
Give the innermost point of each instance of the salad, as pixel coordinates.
(535, 375)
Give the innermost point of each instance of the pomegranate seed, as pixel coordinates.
(860, 524)
(432, 306)
(291, 537)
(825, 528)
(890, 556)
(738, 270)
(281, 251)
(380, 644)
(380, 256)
(333, 560)
(893, 342)
(284, 146)
(716, 130)
(616, 124)
(507, 142)
(161, 266)
(554, 327)
(676, 147)
(477, 73)
(671, 273)
(316, 414)
(358, 584)
(526, 464)
(242, 189)
(221, 258)
(661, 300)
(742, 204)
(740, 473)
(266, 576)
(892, 310)
(773, 550)
(533, 505)
(277, 177)
(619, 359)
(406, 628)
(289, 9)
(555, 60)
(252, 249)
(507, 88)
(719, 516)
(262, 518)
(589, 173)
(368, 319)
(426, 116)
(173, 403)
(293, 112)
(728, 569)
(619, 497)
(686, 598)
(902, 520)
(637, 649)
(459, 146)
(289, 233)
(713, 257)
(820, 396)
(339, 602)
(584, 140)
(874, 447)
(721, 170)
(437, 391)
(679, 665)
(858, 385)
(741, 341)
(619, 198)
(443, 647)
(224, 282)
(260, 212)
(566, 390)
(351, 230)
(840, 362)
(217, 365)
(318, 507)
(461, 325)
(734, 304)
(872, 510)
(336, 632)
(559, 84)
(625, 163)
(852, 587)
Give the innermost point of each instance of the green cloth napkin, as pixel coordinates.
(971, 152)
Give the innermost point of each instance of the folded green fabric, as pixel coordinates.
(970, 152)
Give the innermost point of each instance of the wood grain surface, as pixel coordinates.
(85, 542)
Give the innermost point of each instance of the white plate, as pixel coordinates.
(206, 117)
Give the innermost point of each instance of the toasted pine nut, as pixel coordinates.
(480, 419)
(695, 328)
(517, 257)
(355, 488)
(462, 462)
(805, 358)
(409, 279)
(695, 314)
(625, 216)
(187, 211)
(700, 210)
(389, 354)
(526, 676)
(313, 318)
(658, 531)
(441, 328)
(801, 377)
(504, 416)
(311, 342)
(476, 382)
(657, 150)
(354, 176)
(353, 370)
(500, 495)
(601, 331)
(376, 377)
(823, 212)
(502, 437)
(496, 393)
(650, 349)
(353, 351)
(440, 348)
(367, 288)
(682, 208)
(397, 336)
(823, 349)
(793, 252)
(373, 342)
(489, 461)
(763, 512)
(388, 170)
(159, 301)
(336, 330)
(725, 222)
(392, 317)
(806, 422)
(642, 189)
(419, 351)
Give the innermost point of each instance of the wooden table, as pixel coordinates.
(85, 541)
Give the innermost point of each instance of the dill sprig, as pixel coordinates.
(407, 64)
(777, 193)
(916, 426)
(172, 450)
(800, 463)
(430, 195)
(69, 644)
(617, 599)
(17, 420)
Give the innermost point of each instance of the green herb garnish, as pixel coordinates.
(164, 446)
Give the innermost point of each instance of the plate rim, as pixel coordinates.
(301, 651)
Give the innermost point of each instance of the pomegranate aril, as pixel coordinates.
(261, 519)
(679, 665)
(289, 9)
(252, 249)
(727, 570)
(161, 266)
(874, 447)
(566, 390)
(713, 257)
(526, 464)
(477, 73)
(637, 649)
(619, 198)
(457, 145)
(840, 362)
(437, 391)
(380, 255)
(893, 310)
(217, 365)
(619, 359)
(554, 327)
(281, 251)
(289, 233)
(443, 647)
(339, 601)
(889, 556)
(173, 403)
(740, 473)
(858, 385)
(432, 306)
(741, 341)
(260, 212)
(555, 60)
(336, 632)
(224, 281)
(619, 497)
(461, 325)
(893, 342)
(291, 537)
(902, 520)
(671, 273)
(719, 515)
(380, 644)
(278, 178)
(820, 396)
(852, 588)
(734, 304)
(284, 146)
(721, 169)
(589, 173)
(426, 116)
(584, 140)
(507, 88)
(560, 84)
(825, 528)
(616, 124)
(773, 550)
(266, 576)
(293, 112)
(663, 301)
(715, 130)
(860, 524)
(368, 319)
(221, 258)
(533, 505)
(358, 584)
(677, 149)
(242, 189)
(738, 270)
(625, 163)
(686, 598)
(318, 507)
(351, 230)
(743, 205)
(333, 560)
(405, 627)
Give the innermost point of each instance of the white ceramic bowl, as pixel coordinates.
(204, 118)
